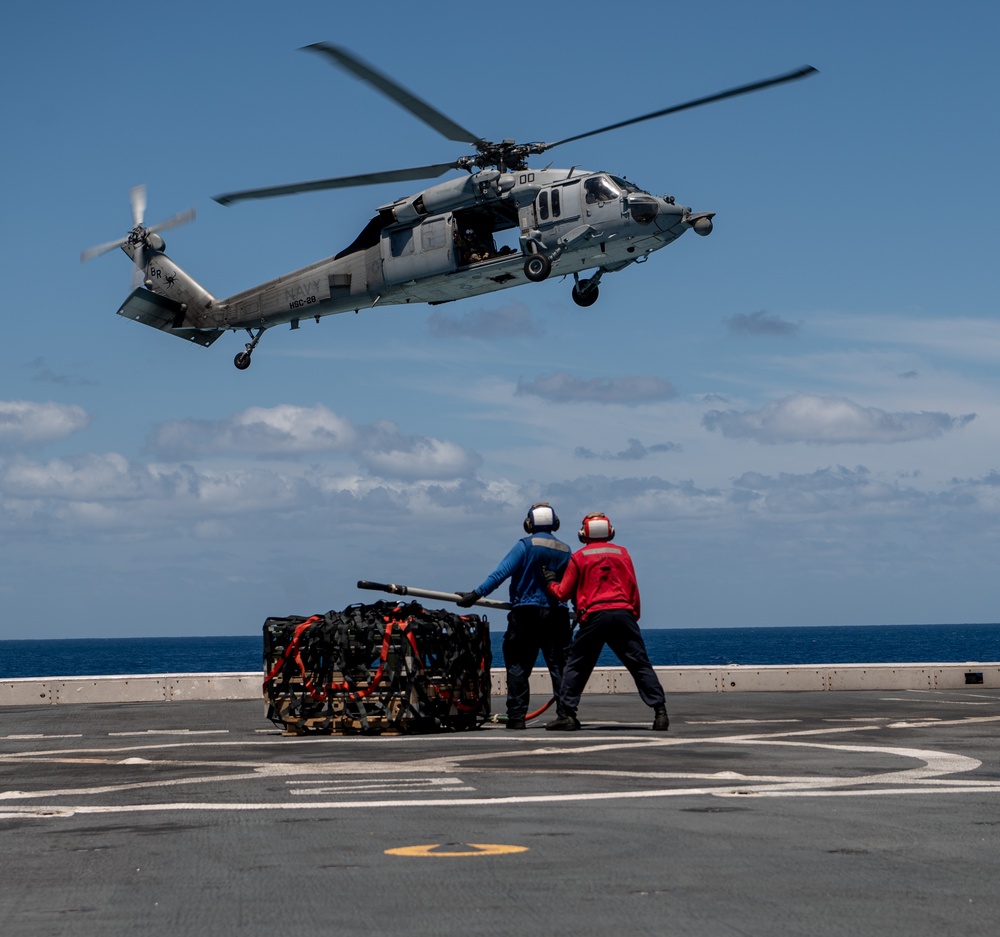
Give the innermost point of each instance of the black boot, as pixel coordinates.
(661, 721)
(565, 723)
(515, 722)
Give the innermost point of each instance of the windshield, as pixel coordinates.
(627, 186)
(600, 189)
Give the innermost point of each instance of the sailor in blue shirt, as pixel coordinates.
(536, 622)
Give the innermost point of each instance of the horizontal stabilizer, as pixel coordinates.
(161, 313)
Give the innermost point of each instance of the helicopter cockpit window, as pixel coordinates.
(626, 186)
(600, 189)
(543, 206)
(556, 209)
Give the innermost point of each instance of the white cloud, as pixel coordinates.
(562, 387)
(837, 491)
(760, 323)
(113, 496)
(25, 423)
(962, 338)
(820, 420)
(392, 454)
(91, 477)
(286, 431)
(633, 451)
(42, 373)
(120, 499)
(513, 320)
(281, 430)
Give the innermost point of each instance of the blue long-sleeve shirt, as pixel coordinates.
(523, 566)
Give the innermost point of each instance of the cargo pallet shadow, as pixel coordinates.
(380, 669)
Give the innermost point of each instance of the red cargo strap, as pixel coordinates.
(293, 645)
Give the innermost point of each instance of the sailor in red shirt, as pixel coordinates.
(601, 582)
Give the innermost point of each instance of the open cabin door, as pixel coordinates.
(486, 232)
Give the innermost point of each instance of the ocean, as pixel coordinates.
(845, 644)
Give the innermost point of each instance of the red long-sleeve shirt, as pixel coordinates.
(599, 576)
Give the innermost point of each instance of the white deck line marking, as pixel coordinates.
(35, 738)
(329, 786)
(146, 732)
(867, 719)
(118, 788)
(555, 800)
(933, 774)
(375, 782)
(455, 784)
(739, 722)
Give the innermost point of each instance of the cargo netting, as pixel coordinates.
(377, 669)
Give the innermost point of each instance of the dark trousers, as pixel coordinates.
(530, 629)
(618, 629)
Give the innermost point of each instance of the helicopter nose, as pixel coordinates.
(670, 216)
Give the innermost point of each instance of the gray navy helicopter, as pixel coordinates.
(436, 246)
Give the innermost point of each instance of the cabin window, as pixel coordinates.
(543, 205)
(556, 208)
(600, 189)
(432, 236)
(401, 242)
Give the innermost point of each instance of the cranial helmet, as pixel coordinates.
(596, 526)
(540, 517)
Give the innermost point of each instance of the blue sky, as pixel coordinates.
(791, 422)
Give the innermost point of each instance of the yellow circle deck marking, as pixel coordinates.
(453, 850)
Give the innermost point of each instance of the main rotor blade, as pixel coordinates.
(342, 182)
(803, 72)
(419, 108)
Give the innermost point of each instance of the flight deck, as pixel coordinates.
(766, 813)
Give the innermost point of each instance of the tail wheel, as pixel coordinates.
(537, 267)
(242, 360)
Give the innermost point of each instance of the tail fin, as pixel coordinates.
(164, 314)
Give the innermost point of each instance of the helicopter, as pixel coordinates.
(437, 246)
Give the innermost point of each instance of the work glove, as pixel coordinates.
(550, 575)
(467, 599)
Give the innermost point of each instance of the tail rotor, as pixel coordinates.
(141, 239)
(137, 199)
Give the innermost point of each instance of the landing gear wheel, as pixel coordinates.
(537, 267)
(242, 360)
(585, 293)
